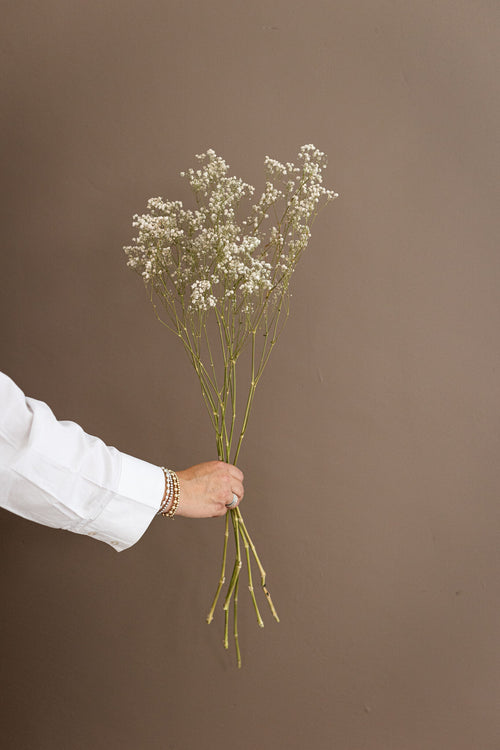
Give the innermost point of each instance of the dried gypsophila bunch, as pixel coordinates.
(221, 281)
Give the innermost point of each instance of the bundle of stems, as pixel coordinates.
(222, 287)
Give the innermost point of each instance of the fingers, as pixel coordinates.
(232, 485)
(233, 471)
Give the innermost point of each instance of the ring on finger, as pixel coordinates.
(233, 502)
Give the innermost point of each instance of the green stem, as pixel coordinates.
(232, 383)
(259, 565)
(250, 580)
(226, 629)
(235, 625)
(222, 579)
(249, 401)
(237, 563)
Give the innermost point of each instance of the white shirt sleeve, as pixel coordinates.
(55, 474)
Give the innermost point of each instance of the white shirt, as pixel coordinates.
(54, 473)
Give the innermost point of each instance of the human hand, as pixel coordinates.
(207, 489)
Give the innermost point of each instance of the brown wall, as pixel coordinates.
(372, 471)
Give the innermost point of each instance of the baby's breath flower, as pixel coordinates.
(230, 262)
(214, 257)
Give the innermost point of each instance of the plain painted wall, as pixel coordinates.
(371, 461)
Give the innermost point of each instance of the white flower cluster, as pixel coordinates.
(200, 296)
(204, 258)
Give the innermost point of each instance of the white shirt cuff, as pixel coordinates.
(130, 510)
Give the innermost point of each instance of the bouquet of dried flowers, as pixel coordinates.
(221, 275)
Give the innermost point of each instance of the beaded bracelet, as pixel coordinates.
(172, 490)
(167, 494)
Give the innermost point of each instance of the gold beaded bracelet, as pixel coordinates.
(167, 494)
(172, 488)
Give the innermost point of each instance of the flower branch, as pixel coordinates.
(224, 285)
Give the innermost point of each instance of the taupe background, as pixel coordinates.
(371, 461)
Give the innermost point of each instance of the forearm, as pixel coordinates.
(54, 473)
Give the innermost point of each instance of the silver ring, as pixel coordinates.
(233, 502)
